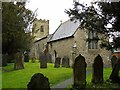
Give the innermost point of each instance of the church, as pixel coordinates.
(69, 40)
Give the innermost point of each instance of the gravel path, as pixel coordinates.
(64, 84)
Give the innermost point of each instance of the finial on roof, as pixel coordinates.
(60, 21)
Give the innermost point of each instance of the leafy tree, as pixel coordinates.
(101, 17)
(16, 23)
(97, 17)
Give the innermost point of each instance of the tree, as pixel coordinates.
(16, 20)
(102, 17)
(97, 17)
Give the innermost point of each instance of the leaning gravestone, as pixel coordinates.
(97, 70)
(57, 62)
(38, 82)
(79, 70)
(113, 61)
(65, 62)
(43, 60)
(114, 77)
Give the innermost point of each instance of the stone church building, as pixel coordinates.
(68, 40)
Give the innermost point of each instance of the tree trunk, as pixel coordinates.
(115, 72)
(4, 59)
(19, 61)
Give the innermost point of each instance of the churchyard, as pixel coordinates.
(79, 50)
(99, 77)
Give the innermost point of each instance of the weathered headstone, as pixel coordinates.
(38, 82)
(113, 61)
(19, 61)
(26, 57)
(65, 62)
(97, 70)
(114, 77)
(79, 70)
(57, 62)
(43, 60)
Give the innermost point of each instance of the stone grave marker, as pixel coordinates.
(97, 70)
(43, 60)
(114, 76)
(79, 72)
(57, 62)
(65, 62)
(38, 82)
(26, 57)
(19, 60)
(113, 61)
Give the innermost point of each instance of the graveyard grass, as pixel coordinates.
(105, 85)
(19, 78)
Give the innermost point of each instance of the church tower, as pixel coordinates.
(40, 29)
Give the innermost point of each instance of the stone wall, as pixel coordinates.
(90, 54)
(62, 48)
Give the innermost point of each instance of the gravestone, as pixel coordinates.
(79, 72)
(97, 70)
(38, 82)
(113, 61)
(19, 61)
(26, 57)
(43, 60)
(65, 62)
(114, 77)
(57, 62)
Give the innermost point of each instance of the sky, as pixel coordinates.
(52, 10)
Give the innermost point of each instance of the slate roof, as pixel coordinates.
(65, 30)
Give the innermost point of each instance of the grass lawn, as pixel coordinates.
(0, 79)
(19, 78)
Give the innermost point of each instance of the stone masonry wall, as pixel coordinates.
(90, 54)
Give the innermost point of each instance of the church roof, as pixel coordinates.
(65, 30)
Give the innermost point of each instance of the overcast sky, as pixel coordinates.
(52, 10)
